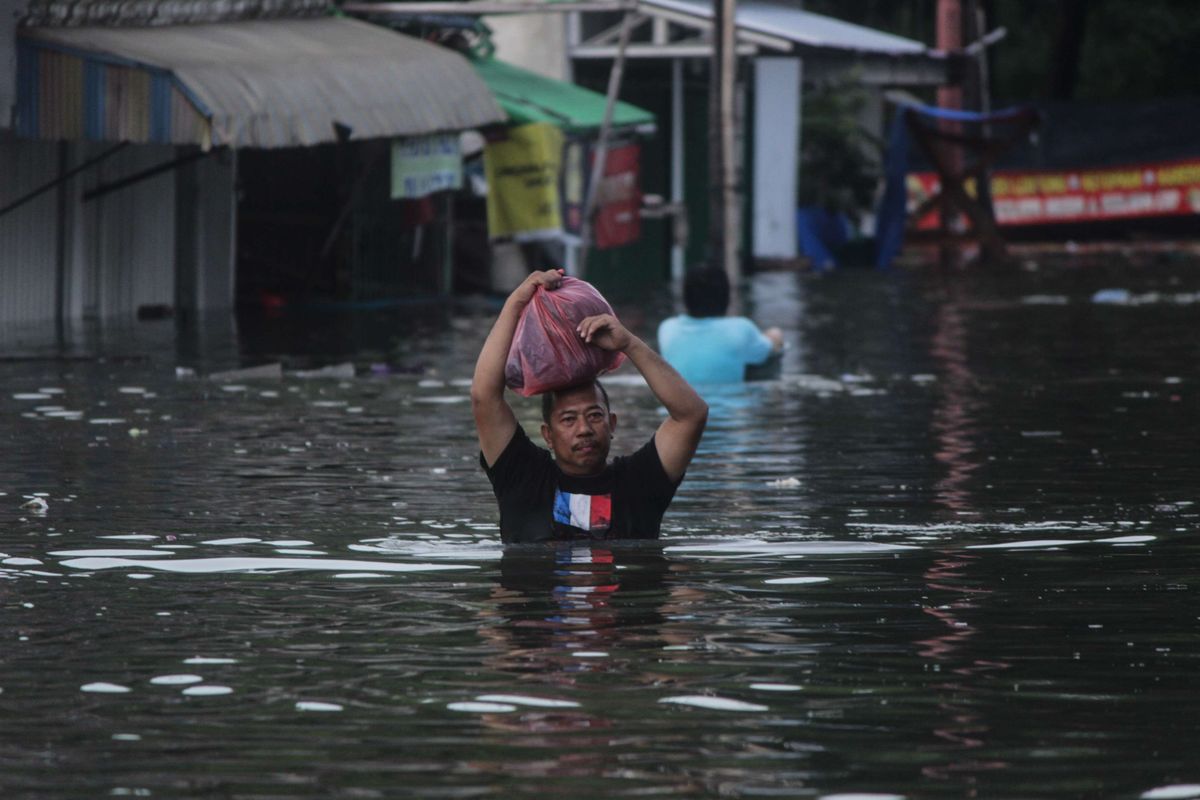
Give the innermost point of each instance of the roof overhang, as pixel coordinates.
(683, 29)
(260, 83)
(528, 97)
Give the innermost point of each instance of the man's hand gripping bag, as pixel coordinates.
(546, 352)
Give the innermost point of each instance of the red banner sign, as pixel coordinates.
(1163, 189)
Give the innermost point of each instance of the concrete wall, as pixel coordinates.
(537, 42)
(777, 87)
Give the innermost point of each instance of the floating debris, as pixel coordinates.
(270, 372)
(784, 483)
(332, 371)
(37, 505)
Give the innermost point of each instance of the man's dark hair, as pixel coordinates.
(548, 398)
(706, 291)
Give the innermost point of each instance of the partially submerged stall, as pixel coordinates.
(182, 156)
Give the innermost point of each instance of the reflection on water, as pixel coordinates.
(946, 554)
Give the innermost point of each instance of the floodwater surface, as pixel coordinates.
(949, 552)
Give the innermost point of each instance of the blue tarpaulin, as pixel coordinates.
(819, 233)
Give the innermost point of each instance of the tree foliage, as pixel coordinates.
(1128, 50)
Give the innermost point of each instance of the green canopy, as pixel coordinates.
(529, 97)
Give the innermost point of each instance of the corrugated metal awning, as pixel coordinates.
(804, 28)
(261, 83)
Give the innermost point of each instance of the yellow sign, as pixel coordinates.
(522, 177)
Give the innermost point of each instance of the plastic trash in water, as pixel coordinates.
(332, 371)
(1113, 297)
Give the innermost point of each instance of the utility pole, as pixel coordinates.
(724, 207)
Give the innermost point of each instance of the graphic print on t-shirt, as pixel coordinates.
(588, 512)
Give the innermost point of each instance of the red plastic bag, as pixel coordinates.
(546, 352)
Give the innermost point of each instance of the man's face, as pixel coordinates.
(580, 431)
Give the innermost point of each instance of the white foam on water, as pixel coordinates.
(482, 708)
(749, 548)
(443, 399)
(1127, 539)
(290, 551)
(209, 660)
(289, 543)
(130, 536)
(313, 705)
(435, 549)
(1036, 543)
(207, 691)
(589, 654)
(776, 687)
(1178, 791)
(524, 700)
(106, 421)
(31, 396)
(233, 387)
(712, 703)
(175, 680)
(360, 575)
(861, 796)
(431, 383)
(139, 576)
(51, 390)
(127, 737)
(105, 688)
(233, 540)
(329, 403)
(795, 581)
(218, 565)
(131, 390)
(21, 562)
(112, 552)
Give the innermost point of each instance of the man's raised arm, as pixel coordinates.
(494, 418)
(678, 436)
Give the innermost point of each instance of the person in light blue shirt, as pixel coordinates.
(704, 345)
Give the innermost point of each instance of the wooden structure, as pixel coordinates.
(961, 151)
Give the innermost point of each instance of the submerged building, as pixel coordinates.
(164, 156)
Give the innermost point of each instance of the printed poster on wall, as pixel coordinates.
(425, 165)
(619, 201)
(522, 173)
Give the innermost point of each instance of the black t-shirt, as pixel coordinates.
(538, 502)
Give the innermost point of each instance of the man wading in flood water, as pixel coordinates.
(578, 493)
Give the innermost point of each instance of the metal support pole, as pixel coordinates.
(677, 155)
(724, 207)
(597, 173)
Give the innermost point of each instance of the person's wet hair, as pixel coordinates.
(549, 398)
(706, 292)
